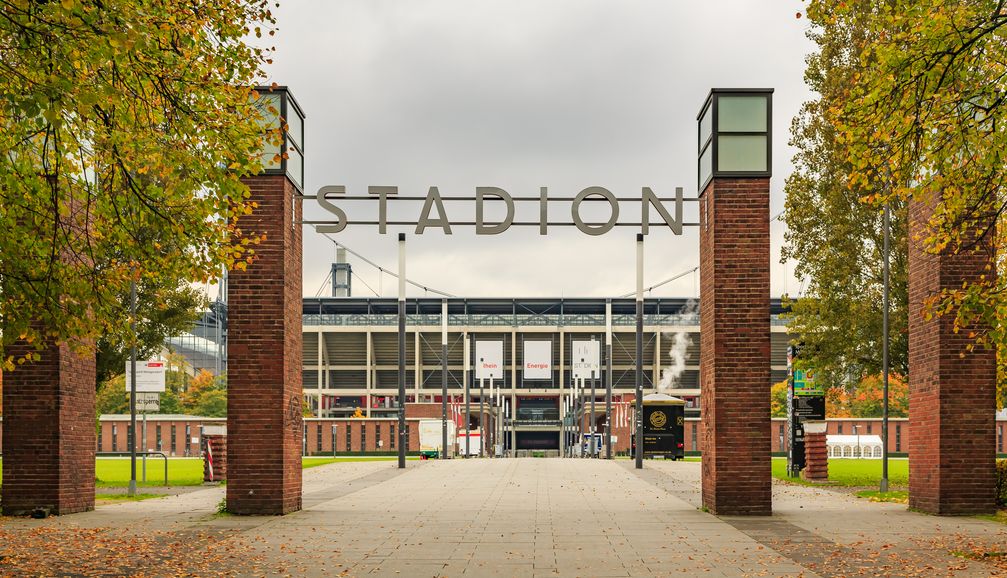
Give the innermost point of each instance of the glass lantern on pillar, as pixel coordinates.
(735, 134)
(277, 104)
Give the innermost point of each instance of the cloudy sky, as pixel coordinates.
(522, 94)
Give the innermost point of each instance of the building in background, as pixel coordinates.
(205, 346)
(350, 355)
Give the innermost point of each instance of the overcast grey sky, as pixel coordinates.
(521, 94)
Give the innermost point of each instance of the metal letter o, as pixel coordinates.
(595, 229)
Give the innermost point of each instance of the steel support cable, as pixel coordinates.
(665, 282)
(385, 270)
(361, 279)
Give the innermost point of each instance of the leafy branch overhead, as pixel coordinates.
(924, 119)
(834, 237)
(125, 127)
(913, 103)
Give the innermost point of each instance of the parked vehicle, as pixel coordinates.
(432, 438)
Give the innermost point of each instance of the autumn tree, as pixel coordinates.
(924, 118)
(778, 399)
(125, 127)
(206, 395)
(834, 237)
(165, 307)
(112, 396)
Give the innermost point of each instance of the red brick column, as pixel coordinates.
(952, 435)
(49, 433)
(264, 358)
(816, 453)
(734, 346)
(215, 458)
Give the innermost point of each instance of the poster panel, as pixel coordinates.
(538, 359)
(585, 358)
(489, 359)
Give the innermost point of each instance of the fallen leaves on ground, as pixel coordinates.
(62, 550)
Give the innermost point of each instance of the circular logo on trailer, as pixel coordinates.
(658, 419)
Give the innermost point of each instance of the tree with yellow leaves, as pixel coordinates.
(125, 128)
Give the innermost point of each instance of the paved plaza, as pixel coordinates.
(521, 517)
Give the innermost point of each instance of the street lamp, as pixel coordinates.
(734, 134)
(884, 346)
(283, 155)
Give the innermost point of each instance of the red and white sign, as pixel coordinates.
(538, 359)
(489, 359)
(149, 376)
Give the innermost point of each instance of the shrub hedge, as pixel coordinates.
(1002, 483)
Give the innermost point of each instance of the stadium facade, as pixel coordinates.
(350, 353)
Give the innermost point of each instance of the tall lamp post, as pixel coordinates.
(132, 391)
(444, 379)
(608, 379)
(402, 350)
(638, 417)
(884, 349)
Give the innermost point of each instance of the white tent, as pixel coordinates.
(854, 446)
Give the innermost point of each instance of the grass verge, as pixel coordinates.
(115, 498)
(897, 496)
(115, 472)
(852, 473)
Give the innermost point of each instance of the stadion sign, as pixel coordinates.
(434, 215)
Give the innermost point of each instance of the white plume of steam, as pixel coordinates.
(680, 343)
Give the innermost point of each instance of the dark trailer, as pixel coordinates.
(663, 426)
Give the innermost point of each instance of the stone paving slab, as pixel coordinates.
(529, 517)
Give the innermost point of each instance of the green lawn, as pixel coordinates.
(850, 472)
(896, 496)
(114, 472)
(127, 498)
(320, 461)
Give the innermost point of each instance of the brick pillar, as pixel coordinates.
(264, 358)
(952, 436)
(816, 453)
(49, 433)
(215, 458)
(734, 346)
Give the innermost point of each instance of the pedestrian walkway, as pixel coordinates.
(515, 517)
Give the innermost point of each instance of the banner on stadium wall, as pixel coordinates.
(538, 359)
(489, 359)
(585, 359)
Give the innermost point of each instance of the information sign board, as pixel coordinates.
(149, 376)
